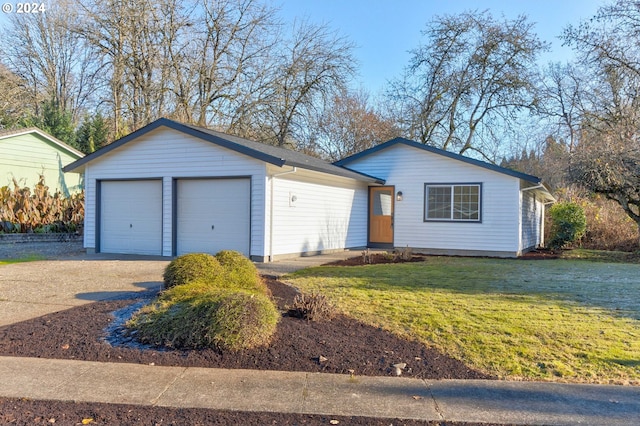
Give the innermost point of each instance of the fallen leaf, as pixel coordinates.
(65, 346)
(416, 397)
(87, 421)
(334, 422)
(52, 420)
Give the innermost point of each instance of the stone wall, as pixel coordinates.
(48, 246)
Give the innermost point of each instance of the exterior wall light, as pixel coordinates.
(399, 196)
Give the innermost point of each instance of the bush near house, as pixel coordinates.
(240, 271)
(209, 303)
(568, 224)
(191, 267)
(23, 210)
(226, 270)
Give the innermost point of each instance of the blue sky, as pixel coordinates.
(385, 30)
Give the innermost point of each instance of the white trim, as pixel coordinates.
(293, 170)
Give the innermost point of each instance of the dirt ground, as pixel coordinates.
(81, 333)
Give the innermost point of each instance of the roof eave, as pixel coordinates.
(438, 151)
(181, 128)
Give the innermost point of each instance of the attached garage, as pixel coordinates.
(172, 188)
(130, 217)
(213, 215)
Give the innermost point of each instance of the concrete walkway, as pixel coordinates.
(524, 403)
(29, 290)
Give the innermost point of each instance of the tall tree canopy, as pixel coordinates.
(607, 157)
(470, 79)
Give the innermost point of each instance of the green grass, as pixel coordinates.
(566, 320)
(602, 255)
(31, 258)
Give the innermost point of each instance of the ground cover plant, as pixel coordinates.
(208, 302)
(21, 259)
(567, 320)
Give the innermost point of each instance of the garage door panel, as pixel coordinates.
(131, 217)
(213, 215)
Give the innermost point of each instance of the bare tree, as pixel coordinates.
(52, 61)
(607, 157)
(471, 78)
(15, 104)
(348, 124)
(235, 38)
(311, 67)
(562, 94)
(130, 35)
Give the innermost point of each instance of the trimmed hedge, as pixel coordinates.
(240, 272)
(195, 315)
(191, 267)
(216, 302)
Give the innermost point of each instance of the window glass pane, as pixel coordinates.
(466, 204)
(439, 202)
(382, 200)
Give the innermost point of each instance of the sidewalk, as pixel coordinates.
(526, 403)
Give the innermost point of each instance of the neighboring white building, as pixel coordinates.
(171, 188)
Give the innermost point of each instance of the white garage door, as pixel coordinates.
(131, 217)
(213, 215)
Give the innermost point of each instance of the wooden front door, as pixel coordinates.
(381, 204)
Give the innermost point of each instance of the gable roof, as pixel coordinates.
(260, 151)
(402, 141)
(55, 141)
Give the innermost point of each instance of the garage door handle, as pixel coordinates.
(130, 225)
(212, 227)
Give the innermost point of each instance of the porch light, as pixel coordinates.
(399, 196)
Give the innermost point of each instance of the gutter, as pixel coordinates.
(541, 186)
(293, 170)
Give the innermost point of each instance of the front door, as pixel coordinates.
(381, 216)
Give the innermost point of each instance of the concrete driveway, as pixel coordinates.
(32, 289)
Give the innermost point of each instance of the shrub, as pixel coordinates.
(23, 209)
(245, 320)
(568, 224)
(312, 307)
(190, 267)
(240, 272)
(195, 315)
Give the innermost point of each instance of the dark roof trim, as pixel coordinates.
(181, 128)
(529, 178)
(269, 154)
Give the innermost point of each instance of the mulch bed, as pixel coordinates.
(375, 259)
(79, 333)
(348, 345)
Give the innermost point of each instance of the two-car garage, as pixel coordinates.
(210, 215)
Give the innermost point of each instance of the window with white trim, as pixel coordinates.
(452, 202)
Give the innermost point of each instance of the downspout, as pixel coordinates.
(295, 169)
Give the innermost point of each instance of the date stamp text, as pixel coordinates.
(24, 8)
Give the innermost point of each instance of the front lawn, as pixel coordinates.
(541, 319)
(20, 260)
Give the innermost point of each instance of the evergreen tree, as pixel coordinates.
(92, 134)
